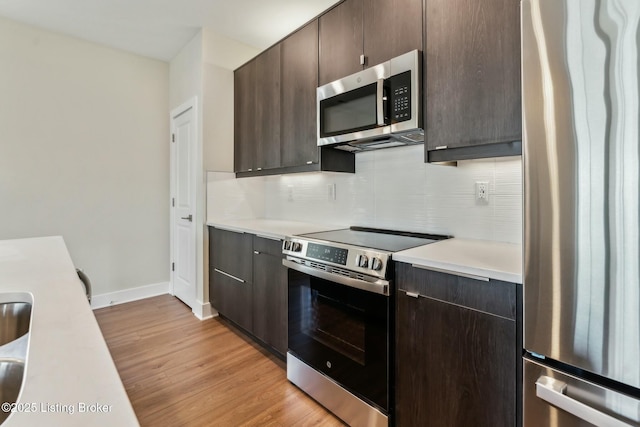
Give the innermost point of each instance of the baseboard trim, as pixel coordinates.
(128, 295)
(204, 311)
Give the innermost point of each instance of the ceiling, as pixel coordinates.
(160, 28)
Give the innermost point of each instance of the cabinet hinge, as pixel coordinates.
(173, 266)
(173, 137)
(173, 202)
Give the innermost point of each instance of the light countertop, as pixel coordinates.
(70, 377)
(493, 260)
(272, 228)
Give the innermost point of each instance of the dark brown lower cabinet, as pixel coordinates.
(232, 298)
(248, 285)
(457, 350)
(230, 275)
(269, 294)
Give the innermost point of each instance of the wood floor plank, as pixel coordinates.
(179, 371)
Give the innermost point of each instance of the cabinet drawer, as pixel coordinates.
(232, 298)
(493, 296)
(269, 246)
(232, 253)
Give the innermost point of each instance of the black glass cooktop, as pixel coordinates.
(386, 240)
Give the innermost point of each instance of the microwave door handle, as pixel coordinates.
(380, 100)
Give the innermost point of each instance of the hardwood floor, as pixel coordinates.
(179, 371)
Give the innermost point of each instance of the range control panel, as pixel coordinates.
(353, 258)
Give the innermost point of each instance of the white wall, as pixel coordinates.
(204, 70)
(394, 188)
(217, 129)
(391, 188)
(231, 198)
(84, 153)
(220, 56)
(225, 52)
(185, 73)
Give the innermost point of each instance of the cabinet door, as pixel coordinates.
(340, 41)
(391, 28)
(267, 124)
(472, 72)
(299, 82)
(270, 301)
(458, 349)
(456, 366)
(244, 117)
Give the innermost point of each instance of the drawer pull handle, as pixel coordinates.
(228, 275)
(454, 273)
(222, 227)
(413, 294)
(262, 236)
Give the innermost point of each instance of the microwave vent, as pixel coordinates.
(348, 148)
(415, 137)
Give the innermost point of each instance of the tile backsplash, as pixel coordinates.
(391, 188)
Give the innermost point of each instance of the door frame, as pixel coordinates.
(192, 104)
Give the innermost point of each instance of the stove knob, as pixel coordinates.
(376, 264)
(362, 261)
(287, 245)
(296, 246)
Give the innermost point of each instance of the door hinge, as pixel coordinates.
(173, 137)
(173, 266)
(173, 202)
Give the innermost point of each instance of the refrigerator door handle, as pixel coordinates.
(553, 391)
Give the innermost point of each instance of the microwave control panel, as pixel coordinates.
(400, 86)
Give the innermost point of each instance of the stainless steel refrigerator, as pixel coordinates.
(581, 106)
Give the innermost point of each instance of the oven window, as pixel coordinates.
(338, 326)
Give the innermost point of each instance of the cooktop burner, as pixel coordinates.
(385, 240)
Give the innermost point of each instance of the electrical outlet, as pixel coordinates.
(482, 192)
(290, 193)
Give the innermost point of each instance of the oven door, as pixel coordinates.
(342, 332)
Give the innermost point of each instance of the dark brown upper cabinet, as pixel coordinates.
(267, 123)
(341, 41)
(257, 112)
(275, 111)
(360, 33)
(299, 75)
(472, 79)
(391, 28)
(244, 133)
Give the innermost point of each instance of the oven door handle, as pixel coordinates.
(379, 286)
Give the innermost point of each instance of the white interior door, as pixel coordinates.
(183, 274)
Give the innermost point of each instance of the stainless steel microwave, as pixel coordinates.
(375, 108)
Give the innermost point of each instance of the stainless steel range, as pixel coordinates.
(341, 318)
